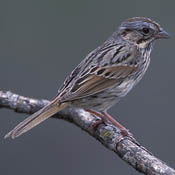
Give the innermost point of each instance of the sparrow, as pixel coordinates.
(105, 75)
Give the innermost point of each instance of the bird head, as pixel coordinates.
(141, 31)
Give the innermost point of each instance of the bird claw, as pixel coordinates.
(126, 134)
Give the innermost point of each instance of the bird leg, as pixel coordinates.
(97, 122)
(105, 118)
(123, 130)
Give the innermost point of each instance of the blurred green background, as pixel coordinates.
(41, 41)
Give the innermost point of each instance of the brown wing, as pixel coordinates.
(99, 80)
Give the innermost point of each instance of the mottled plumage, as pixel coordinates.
(106, 74)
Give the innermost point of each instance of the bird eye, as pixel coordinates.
(145, 30)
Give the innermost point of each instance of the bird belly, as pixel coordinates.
(101, 102)
(104, 100)
(125, 87)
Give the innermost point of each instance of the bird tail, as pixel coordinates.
(52, 108)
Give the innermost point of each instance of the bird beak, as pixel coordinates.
(162, 35)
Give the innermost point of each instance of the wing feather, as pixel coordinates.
(97, 81)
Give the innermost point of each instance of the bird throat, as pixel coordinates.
(144, 43)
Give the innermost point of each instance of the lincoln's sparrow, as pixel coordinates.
(105, 75)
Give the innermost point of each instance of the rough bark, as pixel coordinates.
(127, 148)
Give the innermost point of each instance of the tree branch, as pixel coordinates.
(128, 149)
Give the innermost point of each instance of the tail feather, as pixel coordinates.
(35, 119)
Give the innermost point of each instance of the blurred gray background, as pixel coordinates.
(41, 41)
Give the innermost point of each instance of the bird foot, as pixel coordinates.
(125, 134)
(95, 124)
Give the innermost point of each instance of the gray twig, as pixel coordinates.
(128, 149)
